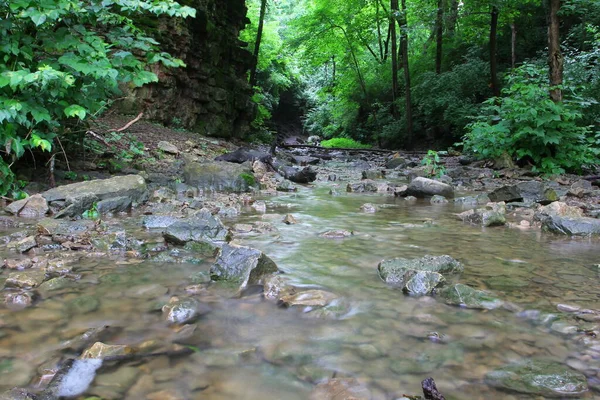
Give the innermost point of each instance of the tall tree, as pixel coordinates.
(404, 47)
(555, 57)
(452, 17)
(493, 50)
(261, 22)
(439, 34)
(394, 12)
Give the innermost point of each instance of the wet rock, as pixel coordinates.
(219, 176)
(509, 193)
(260, 206)
(536, 192)
(559, 209)
(466, 296)
(571, 226)
(69, 229)
(35, 206)
(338, 389)
(366, 186)
(19, 300)
(54, 284)
(158, 221)
(242, 228)
(473, 200)
(184, 311)
(18, 394)
(424, 187)
(242, 266)
(20, 264)
(286, 186)
(368, 208)
(373, 174)
(336, 234)
(101, 350)
(492, 215)
(167, 147)
(201, 227)
(17, 372)
(438, 200)
(539, 378)
(297, 175)
(149, 291)
(393, 271)
(289, 220)
(419, 283)
(132, 187)
(308, 298)
(275, 286)
(26, 279)
(26, 244)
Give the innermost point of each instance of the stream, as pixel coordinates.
(249, 348)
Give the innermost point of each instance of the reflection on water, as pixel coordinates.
(251, 349)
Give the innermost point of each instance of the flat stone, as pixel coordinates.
(101, 350)
(26, 244)
(19, 264)
(308, 298)
(219, 176)
(492, 215)
(466, 296)
(423, 187)
(167, 147)
(184, 311)
(35, 206)
(26, 279)
(203, 226)
(393, 271)
(336, 234)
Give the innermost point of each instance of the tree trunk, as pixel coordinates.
(453, 17)
(394, 53)
(404, 46)
(261, 21)
(439, 31)
(513, 45)
(379, 38)
(493, 46)
(555, 58)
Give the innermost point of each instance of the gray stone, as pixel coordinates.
(396, 162)
(159, 221)
(242, 266)
(201, 227)
(26, 244)
(26, 279)
(167, 147)
(438, 200)
(571, 226)
(184, 311)
(32, 207)
(305, 160)
(114, 204)
(131, 186)
(52, 227)
(299, 175)
(423, 187)
(420, 276)
(539, 378)
(308, 298)
(287, 186)
(219, 176)
(536, 192)
(506, 193)
(368, 208)
(493, 215)
(466, 296)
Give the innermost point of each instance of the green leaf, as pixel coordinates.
(75, 110)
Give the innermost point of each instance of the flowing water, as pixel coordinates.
(248, 348)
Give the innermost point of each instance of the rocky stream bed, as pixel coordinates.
(321, 275)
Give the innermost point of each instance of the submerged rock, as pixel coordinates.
(418, 276)
(26, 279)
(101, 350)
(336, 234)
(466, 296)
(340, 388)
(423, 187)
(539, 378)
(183, 311)
(242, 266)
(308, 298)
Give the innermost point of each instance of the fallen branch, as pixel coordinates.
(308, 146)
(133, 121)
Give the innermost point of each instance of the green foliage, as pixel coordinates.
(526, 123)
(71, 175)
(92, 213)
(248, 178)
(345, 143)
(62, 60)
(432, 162)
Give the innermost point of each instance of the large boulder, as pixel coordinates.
(539, 378)
(35, 206)
(418, 276)
(527, 191)
(494, 214)
(202, 227)
(242, 266)
(219, 176)
(242, 154)
(466, 296)
(581, 226)
(113, 194)
(508, 193)
(424, 187)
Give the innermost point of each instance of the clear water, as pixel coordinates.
(248, 348)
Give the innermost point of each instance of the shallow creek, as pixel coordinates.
(248, 348)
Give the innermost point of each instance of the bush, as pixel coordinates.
(344, 143)
(61, 62)
(526, 123)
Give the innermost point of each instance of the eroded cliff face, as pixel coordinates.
(211, 94)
